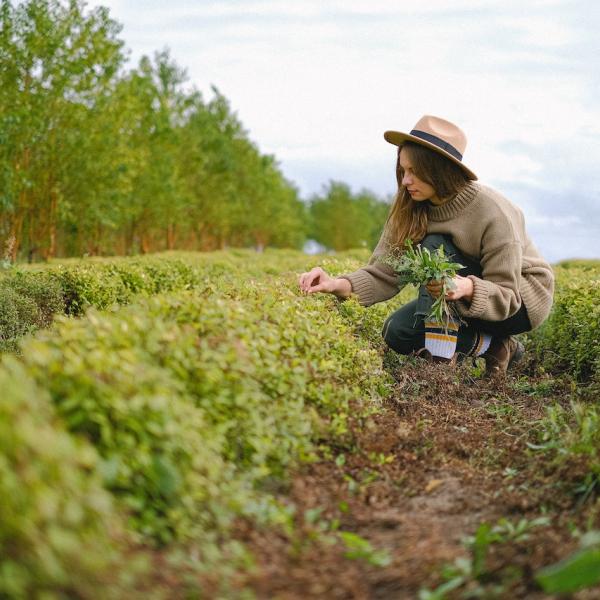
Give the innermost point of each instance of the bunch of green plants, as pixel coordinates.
(30, 297)
(571, 433)
(59, 533)
(418, 266)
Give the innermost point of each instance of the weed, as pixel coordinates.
(357, 548)
(472, 573)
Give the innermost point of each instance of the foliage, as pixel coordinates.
(568, 340)
(567, 433)
(359, 548)
(341, 219)
(58, 528)
(577, 571)
(98, 159)
(471, 574)
(195, 399)
(419, 266)
(27, 302)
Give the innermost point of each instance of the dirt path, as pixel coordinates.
(448, 453)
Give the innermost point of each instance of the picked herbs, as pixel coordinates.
(418, 266)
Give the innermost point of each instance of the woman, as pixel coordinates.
(505, 287)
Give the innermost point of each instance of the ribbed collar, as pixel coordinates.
(455, 205)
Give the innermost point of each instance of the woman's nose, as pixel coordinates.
(406, 180)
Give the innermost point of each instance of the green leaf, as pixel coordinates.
(580, 570)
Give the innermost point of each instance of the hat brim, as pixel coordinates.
(398, 138)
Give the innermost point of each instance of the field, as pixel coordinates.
(189, 425)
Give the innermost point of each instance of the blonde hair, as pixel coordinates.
(408, 218)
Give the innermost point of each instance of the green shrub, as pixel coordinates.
(42, 289)
(159, 456)
(194, 400)
(27, 302)
(568, 341)
(57, 525)
(568, 432)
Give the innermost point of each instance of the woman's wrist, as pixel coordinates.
(343, 288)
(470, 288)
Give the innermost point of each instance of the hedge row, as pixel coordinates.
(59, 531)
(196, 403)
(568, 341)
(30, 298)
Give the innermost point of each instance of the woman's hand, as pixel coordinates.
(317, 280)
(463, 288)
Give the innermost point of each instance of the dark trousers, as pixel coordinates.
(404, 330)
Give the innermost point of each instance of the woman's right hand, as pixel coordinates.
(317, 280)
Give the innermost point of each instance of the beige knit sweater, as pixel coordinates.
(485, 227)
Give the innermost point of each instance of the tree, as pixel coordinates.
(56, 61)
(342, 220)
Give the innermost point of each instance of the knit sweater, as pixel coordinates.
(489, 229)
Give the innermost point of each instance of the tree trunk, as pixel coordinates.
(145, 243)
(51, 253)
(171, 236)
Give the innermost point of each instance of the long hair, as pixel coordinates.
(408, 218)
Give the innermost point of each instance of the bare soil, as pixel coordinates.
(448, 453)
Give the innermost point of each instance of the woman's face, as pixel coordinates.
(418, 189)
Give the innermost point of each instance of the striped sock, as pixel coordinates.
(441, 340)
(481, 344)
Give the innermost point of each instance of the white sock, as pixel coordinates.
(440, 339)
(483, 343)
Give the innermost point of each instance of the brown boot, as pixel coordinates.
(501, 355)
(426, 355)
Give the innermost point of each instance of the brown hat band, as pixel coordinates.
(439, 142)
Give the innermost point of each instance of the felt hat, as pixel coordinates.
(439, 135)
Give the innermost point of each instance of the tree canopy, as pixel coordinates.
(98, 158)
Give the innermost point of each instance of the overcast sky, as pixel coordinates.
(317, 82)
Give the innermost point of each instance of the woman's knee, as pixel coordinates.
(397, 336)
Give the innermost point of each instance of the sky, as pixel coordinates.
(317, 82)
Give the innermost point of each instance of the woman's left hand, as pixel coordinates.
(462, 288)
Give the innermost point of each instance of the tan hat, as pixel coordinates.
(437, 134)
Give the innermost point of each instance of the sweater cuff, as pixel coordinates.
(362, 286)
(479, 301)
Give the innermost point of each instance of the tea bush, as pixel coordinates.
(569, 340)
(28, 301)
(194, 399)
(31, 296)
(58, 527)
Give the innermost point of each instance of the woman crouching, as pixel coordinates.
(505, 286)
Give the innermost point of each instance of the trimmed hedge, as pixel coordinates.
(30, 298)
(194, 401)
(58, 528)
(569, 341)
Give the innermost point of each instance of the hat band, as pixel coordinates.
(439, 142)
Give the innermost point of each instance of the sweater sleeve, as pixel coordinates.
(496, 294)
(376, 281)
